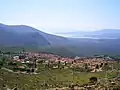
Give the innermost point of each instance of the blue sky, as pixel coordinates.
(62, 15)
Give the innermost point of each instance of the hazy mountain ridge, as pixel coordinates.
(28, 33)
(25, 36)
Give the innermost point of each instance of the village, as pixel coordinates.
(31, 61)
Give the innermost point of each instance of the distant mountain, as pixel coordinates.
(99, 34)
(105, 34)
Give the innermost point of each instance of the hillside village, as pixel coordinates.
(94, 64)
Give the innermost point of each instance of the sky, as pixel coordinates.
(62, 15)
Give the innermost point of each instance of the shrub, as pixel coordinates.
(93, 79)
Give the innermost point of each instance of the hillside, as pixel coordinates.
(19, 35)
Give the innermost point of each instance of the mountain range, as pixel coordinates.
(98, 34)
(33, 39)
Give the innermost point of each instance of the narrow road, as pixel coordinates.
(7, 69)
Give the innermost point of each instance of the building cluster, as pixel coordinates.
(93, 63)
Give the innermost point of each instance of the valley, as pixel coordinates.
(31, 59)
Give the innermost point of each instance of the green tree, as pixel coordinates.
(1, 64)
(97, 66)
